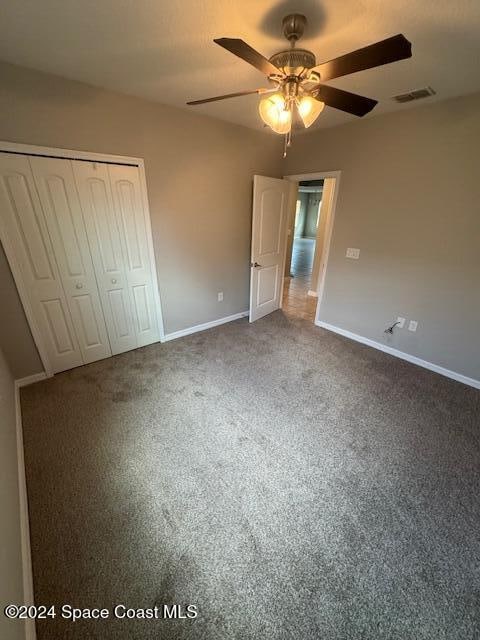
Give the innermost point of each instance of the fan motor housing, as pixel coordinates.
(294, 26)
(293, 61)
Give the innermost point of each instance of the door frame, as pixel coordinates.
(72, 154)
(318, 175)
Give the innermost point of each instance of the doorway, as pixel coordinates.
(297, 288)
(285, 239)
(308, 238)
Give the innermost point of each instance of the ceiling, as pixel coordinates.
(163, 51)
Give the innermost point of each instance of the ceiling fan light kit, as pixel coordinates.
(309, 109)
(298, 80)
(275, 113)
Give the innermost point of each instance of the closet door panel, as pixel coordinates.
(120, 316)
(57, 319)
(59, 199)
(127, 198)
(28, 248)
(93, 184)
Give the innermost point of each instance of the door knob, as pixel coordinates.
(79, 285)
(114, 281)
(255, 264)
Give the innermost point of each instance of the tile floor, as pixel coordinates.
(296, 302)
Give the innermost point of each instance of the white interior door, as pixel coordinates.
(27, 245)
(58, 196)
(269, 218)
(133, 224)
(104, 237)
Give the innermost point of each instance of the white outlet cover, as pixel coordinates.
(353, 253)
(401, 322)
(412, 325)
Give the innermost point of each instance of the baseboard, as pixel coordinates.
(206, 325)
(35, 377)
(28, 597)
(459, 377)
(314, 294)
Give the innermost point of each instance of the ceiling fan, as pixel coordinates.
(298, 80)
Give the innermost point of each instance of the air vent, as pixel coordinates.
(418, 94)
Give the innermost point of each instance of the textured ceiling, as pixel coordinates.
(164, 51)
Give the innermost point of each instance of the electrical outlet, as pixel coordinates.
(220, 296)
(353, 253)
(400, 322)
(412, 325)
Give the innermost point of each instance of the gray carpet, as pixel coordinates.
(289, 482)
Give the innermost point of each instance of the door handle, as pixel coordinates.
(79, 285)
(114, 281)
(255, 264)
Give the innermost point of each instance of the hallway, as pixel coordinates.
(302, 257)
(296, 301)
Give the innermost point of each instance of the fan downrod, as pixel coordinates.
(293, 61)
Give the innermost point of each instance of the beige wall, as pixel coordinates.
(325, 213)
(409, 199)
(302, 213)
(296, 224)
(16, 341)
(11, 584)
(310, 229)
(199, 175)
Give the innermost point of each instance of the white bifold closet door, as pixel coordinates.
(93, 183)
(76, 235)
(116, 225)
(30, 253)
(60, 203)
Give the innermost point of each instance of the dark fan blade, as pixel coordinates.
(389, 50)
(243, 50)
(345, 101)
(230, 95)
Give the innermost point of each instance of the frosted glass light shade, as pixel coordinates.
(309, 109)
(273, 112)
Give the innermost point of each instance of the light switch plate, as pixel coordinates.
(353, 253)
(400, 322)
(220, 296)
(412, 325)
